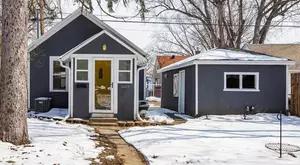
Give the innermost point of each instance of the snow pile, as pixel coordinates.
(110, 157)
(53, 143)
(153, 99)
(154, 115)
(55, 113)
(217, 140)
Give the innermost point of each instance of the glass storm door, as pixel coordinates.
(103, 85)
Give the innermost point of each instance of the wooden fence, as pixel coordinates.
(295, 94)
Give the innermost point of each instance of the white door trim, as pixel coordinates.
(181, 94)
(93, 87)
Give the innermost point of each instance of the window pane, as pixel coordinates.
(249, 81)
(57, 69)
(59, 82)
(124, 65)
(82, 75)
(124, 76)
(82, 64)
(232, 81)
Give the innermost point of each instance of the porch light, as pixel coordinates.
(104, 47)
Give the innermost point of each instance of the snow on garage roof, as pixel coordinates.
(229, 57)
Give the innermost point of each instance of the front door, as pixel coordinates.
(181, 94)
(102, 85)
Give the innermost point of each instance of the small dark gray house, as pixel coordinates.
(224, 81)
(86, 66)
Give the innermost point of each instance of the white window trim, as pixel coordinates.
(51, 60)
(82, 70)
(125, 71)
(240, 89)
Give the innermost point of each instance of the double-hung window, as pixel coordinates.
(241, 81)
(58, 77)
(82, 71)
(125, 71)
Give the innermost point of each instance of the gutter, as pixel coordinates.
(138, 117)
(69, 90)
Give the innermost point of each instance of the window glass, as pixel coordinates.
(124, 65)
(249, 81)
(124, 76)
(232, 81)
(175, 85)
(59, 82)
(82, 75)
(82, 64)
(57, 69)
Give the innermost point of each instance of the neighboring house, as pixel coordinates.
(88, 67)
(290, 51)
(224, 81)
(163, 61)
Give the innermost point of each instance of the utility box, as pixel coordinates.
(42, 104)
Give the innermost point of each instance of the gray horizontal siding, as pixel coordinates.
(167, 98)
(95, 47)
(67, 38)
(213, 100)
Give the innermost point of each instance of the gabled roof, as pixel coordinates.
(67, 55)
(290, 51)
(229, 57)
(92, 18)
(164, 61)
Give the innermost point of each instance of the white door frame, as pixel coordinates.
(93, 85)
(181, 94)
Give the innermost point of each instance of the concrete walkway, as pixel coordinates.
(125, 151)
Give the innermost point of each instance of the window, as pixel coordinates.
(241, 81)
(82, 70)
(175, 85)
(125, 71)
(58, 76)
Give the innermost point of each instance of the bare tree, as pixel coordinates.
(222, 23)
(14, 66)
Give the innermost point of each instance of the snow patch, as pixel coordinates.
(55, 113)
(220, 140)
(153, 99)
(110, 157)
(53, 143)
(154, 115)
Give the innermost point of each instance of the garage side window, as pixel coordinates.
(82, 70)
(241, 81)
(125, 71)
(58, 76)
(175, 85)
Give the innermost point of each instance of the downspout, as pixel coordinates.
(69, 90)
(138, 117)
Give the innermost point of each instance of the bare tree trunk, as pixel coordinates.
(14, 66)
(42, 17)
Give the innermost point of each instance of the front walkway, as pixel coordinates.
(126, 152)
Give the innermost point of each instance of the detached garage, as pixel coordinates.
(226, 81)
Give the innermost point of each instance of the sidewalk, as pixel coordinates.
(126, 152)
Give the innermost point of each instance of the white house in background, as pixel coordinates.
(290, 51)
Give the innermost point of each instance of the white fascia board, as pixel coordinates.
(230, 62)
(55, 29)
(171, 67)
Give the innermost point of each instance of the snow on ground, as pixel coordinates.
(154, 99)
(56, 113)
(220, 140)
(53, 143)
(157, 115)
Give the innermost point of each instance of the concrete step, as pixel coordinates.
(103, 124)
(104, 120)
